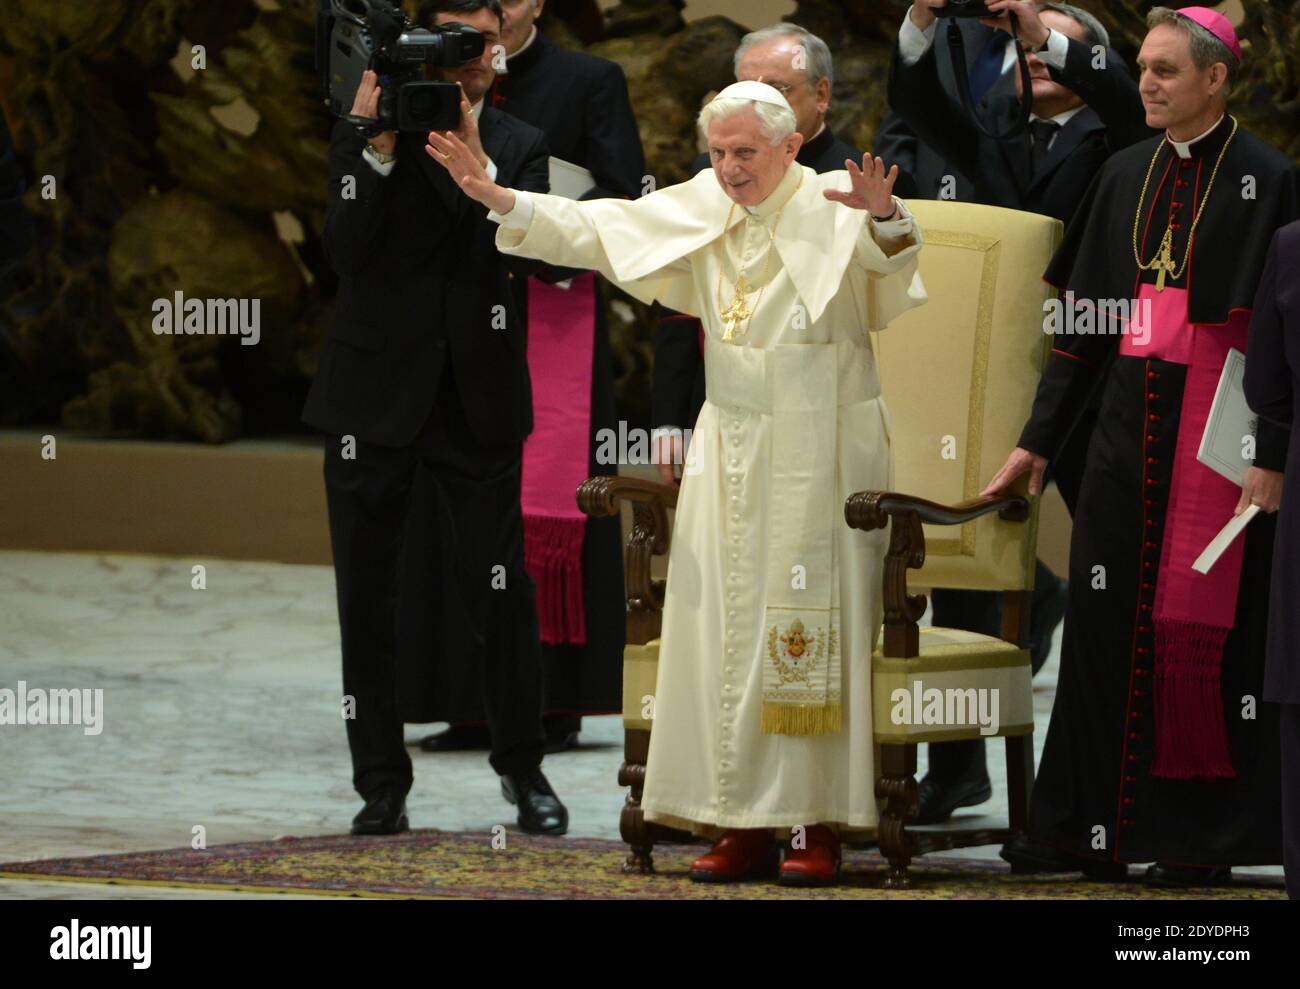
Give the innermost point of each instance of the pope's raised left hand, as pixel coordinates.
(463, 166)
(873, 188)
(1261, 487)
(468, 130)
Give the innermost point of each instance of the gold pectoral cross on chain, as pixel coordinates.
(735, 314)
(1164, 262)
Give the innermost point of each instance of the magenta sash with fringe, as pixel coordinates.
(561, 341)
(1193, 612)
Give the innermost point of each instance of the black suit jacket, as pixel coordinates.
(1001, 170)
(922, 169)
(679, 365)
(580, 103)
(16, 230)
(420, 286)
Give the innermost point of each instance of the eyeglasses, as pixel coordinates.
(785, 88)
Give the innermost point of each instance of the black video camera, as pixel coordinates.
(355, 35)
(963, 8)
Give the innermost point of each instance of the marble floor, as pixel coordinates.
(221, 711)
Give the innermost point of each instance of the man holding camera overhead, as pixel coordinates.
(424, 371)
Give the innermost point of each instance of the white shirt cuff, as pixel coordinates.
(1058, 48)
(891, 229)
(369, 156)
(491, 170)
(912, 41)
(519, 218)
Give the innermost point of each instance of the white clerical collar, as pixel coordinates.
(779, 196)
(477, 109)
(1184, 148)
(532, 36)
(818, 134)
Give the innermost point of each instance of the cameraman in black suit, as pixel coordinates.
(425, 368)
(1085, 108)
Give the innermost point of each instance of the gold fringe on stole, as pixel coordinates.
(801, 719)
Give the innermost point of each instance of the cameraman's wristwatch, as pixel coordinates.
(379, 156)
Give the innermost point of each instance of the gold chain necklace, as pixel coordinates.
(739, 312)
(1163, 262)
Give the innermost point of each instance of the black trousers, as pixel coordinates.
(1289, 722)
(481, 551)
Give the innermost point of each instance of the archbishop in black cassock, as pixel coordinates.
(1097, 796)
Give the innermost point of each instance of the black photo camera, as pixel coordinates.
(355, 35)
(963, 8)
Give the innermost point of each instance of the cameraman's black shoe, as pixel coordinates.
(384, 814)
(540, 810)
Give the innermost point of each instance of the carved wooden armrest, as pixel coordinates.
(600, 497)
(871, 510)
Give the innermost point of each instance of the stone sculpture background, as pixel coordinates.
(149, 175)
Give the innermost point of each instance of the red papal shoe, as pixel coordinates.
(738, 854)
(817, 863)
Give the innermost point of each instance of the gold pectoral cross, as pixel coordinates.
(1164, 262)
(735, 314)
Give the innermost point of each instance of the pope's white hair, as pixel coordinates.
(777, 122)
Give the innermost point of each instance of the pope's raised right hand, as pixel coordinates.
(453, 154)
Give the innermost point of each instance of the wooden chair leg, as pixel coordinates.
(896, 789)
(1020, 779)
(632, 823)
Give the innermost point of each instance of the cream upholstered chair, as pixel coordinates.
(959, 376)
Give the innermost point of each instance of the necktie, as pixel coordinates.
(987, 67)
(1041, 133)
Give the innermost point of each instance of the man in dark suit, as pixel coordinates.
(1084, 109)
(426, 368)
(798, 64)
(16, 231)
(580, 102)
(1082, 113)
(990, 58)
(1272, 373)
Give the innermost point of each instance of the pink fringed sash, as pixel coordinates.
(561, 339)
(1193, 612)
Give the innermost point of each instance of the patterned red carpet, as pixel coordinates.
(442, 864)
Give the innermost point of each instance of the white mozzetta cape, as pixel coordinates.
(793, 423)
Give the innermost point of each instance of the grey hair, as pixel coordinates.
(820, 64)
(1097, 33)
(777, 122)
(1206, 48)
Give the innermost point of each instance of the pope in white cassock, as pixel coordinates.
(763, 704)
